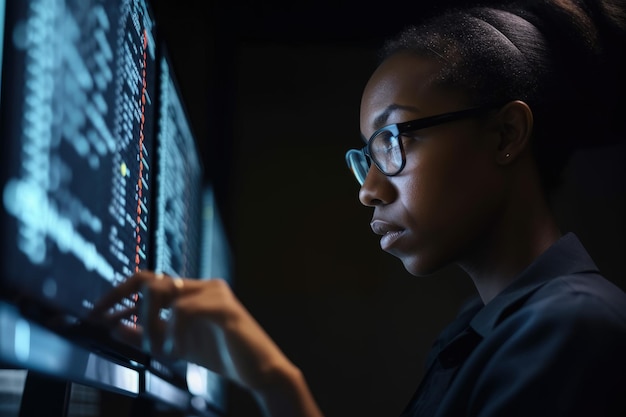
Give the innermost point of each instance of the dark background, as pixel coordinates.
(273, 91)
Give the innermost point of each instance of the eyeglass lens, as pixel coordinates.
(386, 152)
(358, 164)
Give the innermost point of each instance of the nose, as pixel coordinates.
(376, 189)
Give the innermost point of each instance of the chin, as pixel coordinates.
(420, 266)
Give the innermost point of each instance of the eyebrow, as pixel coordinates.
(382, 118)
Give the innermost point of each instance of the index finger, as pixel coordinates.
(132, 285)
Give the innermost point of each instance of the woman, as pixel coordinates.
(468, 119)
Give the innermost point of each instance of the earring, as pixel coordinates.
(507, 155)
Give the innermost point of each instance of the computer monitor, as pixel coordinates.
(216, 258)
(78, 86)
(215, 261)
(92, 188)
(77, 128)
(2, 11)
(178, 223)
(178, 181)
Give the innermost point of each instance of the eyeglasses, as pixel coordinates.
(385, 148)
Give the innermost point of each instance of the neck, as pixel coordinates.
(525, 229)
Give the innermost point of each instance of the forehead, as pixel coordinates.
(406, 80)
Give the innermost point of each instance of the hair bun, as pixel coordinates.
(588, 43)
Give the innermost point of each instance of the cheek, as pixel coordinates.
(446, 187)
(433, 177)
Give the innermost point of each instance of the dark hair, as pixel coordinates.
(562, 57)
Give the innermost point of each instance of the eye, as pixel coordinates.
(384, 143)
(410, 138)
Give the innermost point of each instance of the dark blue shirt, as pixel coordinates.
(552, 344)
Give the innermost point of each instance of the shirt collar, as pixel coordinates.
(566, 256)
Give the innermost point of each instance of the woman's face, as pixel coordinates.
(439, 208)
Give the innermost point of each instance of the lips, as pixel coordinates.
(390, 232)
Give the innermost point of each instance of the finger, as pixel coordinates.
(111, 318)
(157, 296)
(212, 298)
(196, 341)
(167, 345)
(177, 327)
(124, 290)
(170, 336)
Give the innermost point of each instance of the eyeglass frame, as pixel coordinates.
(397, 129)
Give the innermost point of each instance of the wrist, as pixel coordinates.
(286, 393)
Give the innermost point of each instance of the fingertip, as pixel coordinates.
(142, 274)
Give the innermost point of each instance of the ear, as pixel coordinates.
(515, 126)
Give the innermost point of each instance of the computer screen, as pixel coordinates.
(178, 181)
(100, 176)
(215, 261)
(178, 225)
(216, 253)
(2, 9)
(77, 128)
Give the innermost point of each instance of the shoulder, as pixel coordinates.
(560, 351)
(572, 322)
(577, 298)
(572, 319)
(581, 312)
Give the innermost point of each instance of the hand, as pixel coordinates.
(208, 326)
